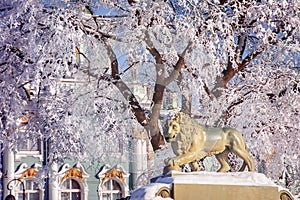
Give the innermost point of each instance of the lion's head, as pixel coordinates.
(173, 128)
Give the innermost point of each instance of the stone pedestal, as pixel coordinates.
(213, 186)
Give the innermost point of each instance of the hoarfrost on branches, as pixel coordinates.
(67, 66)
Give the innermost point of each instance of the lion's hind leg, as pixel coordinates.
(244, 154)
(223, 160)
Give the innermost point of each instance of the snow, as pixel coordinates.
(201, 178)
(148, 192)
(217, 178)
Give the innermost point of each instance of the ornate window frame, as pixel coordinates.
(117, 174)
(25, 173)
(77, 173)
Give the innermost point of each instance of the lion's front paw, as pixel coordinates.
(171, 162)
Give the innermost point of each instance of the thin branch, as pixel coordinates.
(6, 7)
(109, 16)
(97, 33)
(120, 7)
(248, 59)
(134, 63)
(172, 5)
(206, 89)
(4, 68)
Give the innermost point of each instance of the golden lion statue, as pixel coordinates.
(192, 142)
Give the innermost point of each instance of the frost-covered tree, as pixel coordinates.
(233, 63)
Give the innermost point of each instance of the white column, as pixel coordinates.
(144, 155)
(139, 164)
(53, 182)
(135, 161)
(8, 168)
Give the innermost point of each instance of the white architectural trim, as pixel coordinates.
(116, 173)
(24, 154)
(28, 173)
(53, 182)
(24, 167)
(78, 173)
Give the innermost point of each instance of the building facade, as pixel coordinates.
(26, 172)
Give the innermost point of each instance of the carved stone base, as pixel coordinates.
(213, 186)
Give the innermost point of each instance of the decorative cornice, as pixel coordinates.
(29, 173)
(77, 171)
(72, 173)
(116, 172)
(113, 173)
(24, 172)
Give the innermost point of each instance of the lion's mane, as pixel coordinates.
(188, 128)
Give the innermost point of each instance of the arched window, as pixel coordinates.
(72, 183)
(111, 190)
(70, 190)
(32, 190)
(112, 183)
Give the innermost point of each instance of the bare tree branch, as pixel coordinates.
(123, 88)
